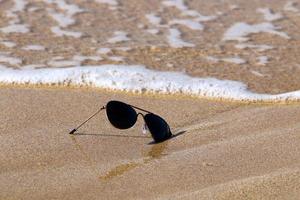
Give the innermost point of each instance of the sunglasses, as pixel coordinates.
(124, 116)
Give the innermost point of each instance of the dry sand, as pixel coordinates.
(226, 150)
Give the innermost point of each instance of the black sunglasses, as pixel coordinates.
(124, 116)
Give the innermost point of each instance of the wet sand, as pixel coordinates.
(98, 21)
(224, 150)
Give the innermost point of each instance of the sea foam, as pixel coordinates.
(137, 78)
(175, 41)
(240, 31)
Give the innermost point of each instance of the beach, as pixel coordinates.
(224, 150)
(223, 74)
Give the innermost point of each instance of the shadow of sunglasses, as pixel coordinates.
(124, 116)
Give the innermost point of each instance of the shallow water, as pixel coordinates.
(255, 43)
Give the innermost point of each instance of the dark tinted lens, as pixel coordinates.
(120, 114)
(158, 127)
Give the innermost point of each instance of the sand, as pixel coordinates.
(223, 150)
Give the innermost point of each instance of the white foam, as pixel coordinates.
(15, 25)
(153, 19)
(5, 58)
(256, 73)
(262, 60)
(269, 15)
(33, 9)
(291, 7)
(179, 4)
(67, 18)
(62, 19)
(103, 50)
(84, 58)
(170, 65)
(33, 66)
(212, 59)
(58, 58)
(34, 48)
(240, 31)
(153, 31)
(236, 60)
(123, 48)
(19, 6)
(70, 9)
(5, 53)
(109, 2)
(8, 44)
(139, 79)
(116, 58)
(119, 36)
(15, 28)
(59, 32)
(64, 63)
(219, 13)
(141, 26)
(186, 11)
(174, 39)
(258, 47)
(191, 24)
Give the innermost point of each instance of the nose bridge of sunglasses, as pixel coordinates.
(139, 113)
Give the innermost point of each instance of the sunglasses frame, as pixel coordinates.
(154, 136)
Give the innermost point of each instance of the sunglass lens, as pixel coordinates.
(121, 115)
(158, 127)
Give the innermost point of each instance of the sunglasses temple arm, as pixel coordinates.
(75, 129)
(140, 108)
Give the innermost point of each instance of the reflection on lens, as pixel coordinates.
(158, 127)
(120, 115)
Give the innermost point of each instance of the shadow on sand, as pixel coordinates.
(128, 136)
(111, 135)
(173, 136)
